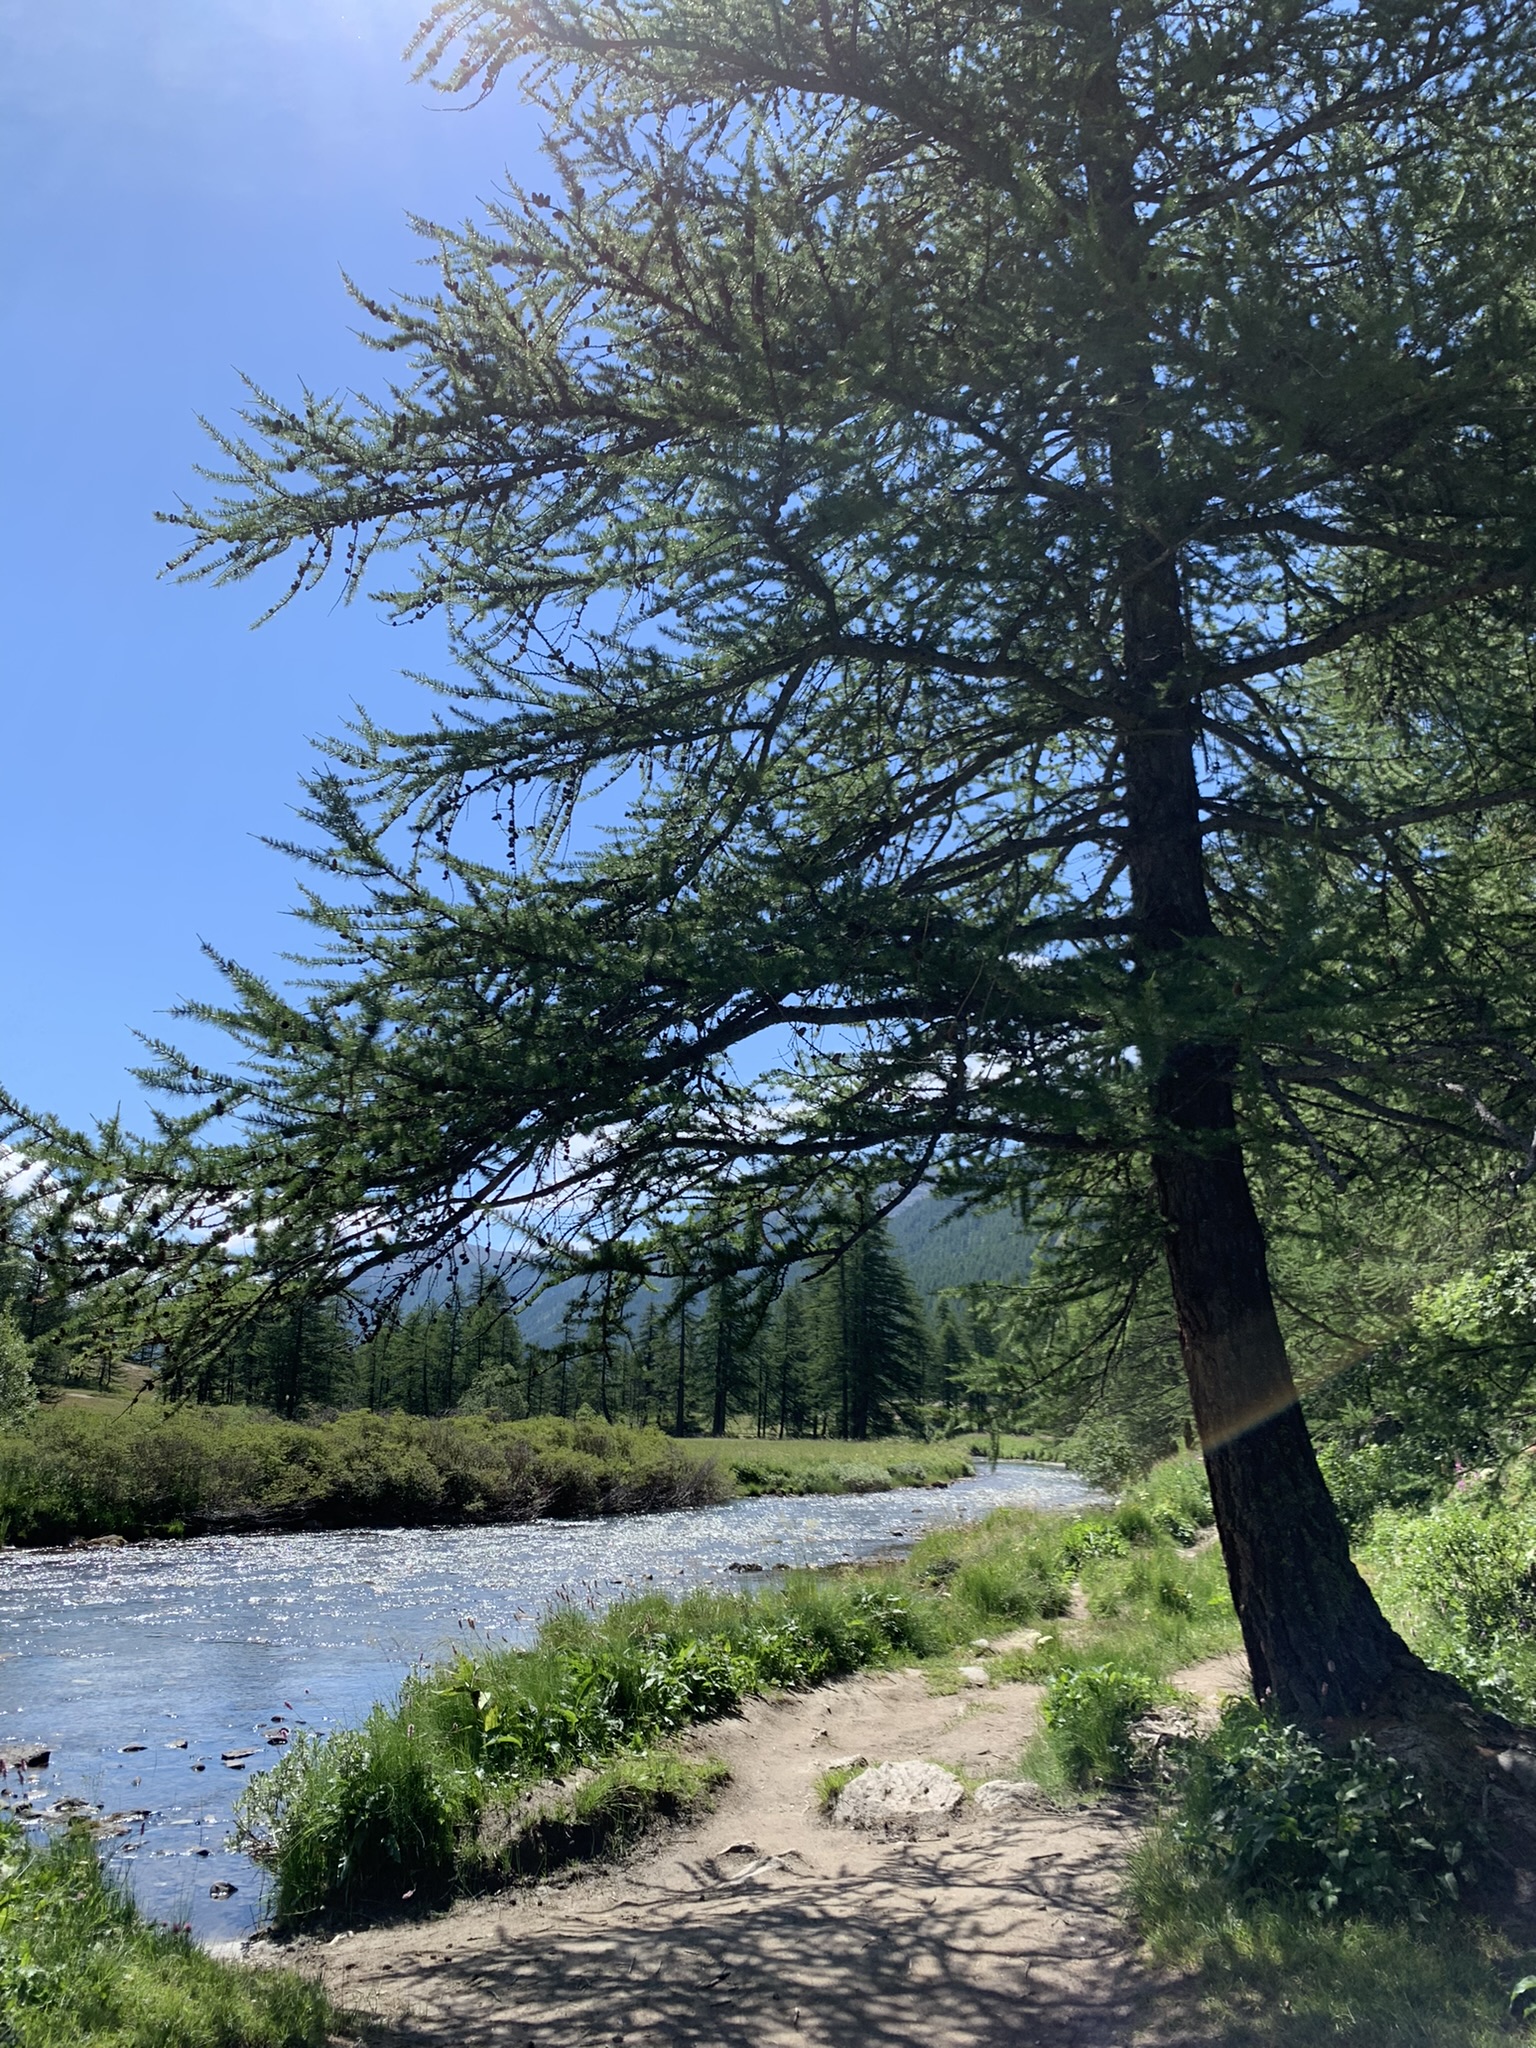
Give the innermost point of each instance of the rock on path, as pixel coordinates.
(913, 1798)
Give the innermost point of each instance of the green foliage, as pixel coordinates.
(1092, 1539)
(1459, 1581)
(822, 1467)
(18, 1396)
(1018, 1573)
(1265, 1810)
(1177, 1496)
(1088, 1714)
(66, 1473)
(830, 1783)
(80, 1969)
(1453, 1390)
(1472, 1559)
(1269, 1970)
(362, 1814)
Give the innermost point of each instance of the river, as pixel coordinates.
(140, 1668)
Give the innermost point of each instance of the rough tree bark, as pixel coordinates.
(1317, 1643)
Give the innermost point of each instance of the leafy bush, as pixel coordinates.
(1474, 1561)
(1107, 1454)
(1088, 1715)
(1092, 1540)
(1265, 1810)
(78, 1473)
(80, 1969)
(1459, 1582)
(1455, 1391)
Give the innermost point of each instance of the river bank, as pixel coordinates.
(134, 1666)
(1048, 1895)
(1056, 1892)
(69, 1475)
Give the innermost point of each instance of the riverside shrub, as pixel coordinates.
(1459, 1583)
(68, 1473)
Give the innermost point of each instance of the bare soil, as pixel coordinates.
(766, 1924)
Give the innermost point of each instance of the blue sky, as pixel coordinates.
(181, 182)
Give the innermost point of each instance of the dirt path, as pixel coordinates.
(765, 1925)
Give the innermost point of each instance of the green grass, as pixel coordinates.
(830, 1783)
(596, 1815)
(1262, 1973)
(80, 1969)
(69, 1471)
(1177, 1497)
(1046, 1449)
(805, 1465)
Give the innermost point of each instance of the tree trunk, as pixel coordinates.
(723, 1360)
(1317, 1643)
(680, 1419)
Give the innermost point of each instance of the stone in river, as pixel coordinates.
(233, 1756)
(24, 1759)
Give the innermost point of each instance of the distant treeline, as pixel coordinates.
(853, 1353)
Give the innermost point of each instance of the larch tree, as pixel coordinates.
(1032, 509)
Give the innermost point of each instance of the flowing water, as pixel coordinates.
(144, 1669)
